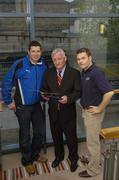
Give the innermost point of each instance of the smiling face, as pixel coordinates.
(83, 60)
(59, 59)
(34, 53)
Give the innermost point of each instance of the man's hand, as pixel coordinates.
(45, 97)
(105, 101)
(63, 100)
(94, 109)
(12, 106)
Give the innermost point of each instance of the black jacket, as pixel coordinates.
(70, 86)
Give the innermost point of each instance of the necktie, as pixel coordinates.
(59, 78)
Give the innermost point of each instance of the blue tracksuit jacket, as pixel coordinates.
(27, 78)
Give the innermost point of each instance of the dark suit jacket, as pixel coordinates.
(70, 86)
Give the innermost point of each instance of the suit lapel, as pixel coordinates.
(54, 78)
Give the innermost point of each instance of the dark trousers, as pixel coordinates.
(58, 128)
(30, 147)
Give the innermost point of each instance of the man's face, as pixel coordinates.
(59, 60)
(34, 53)
(84, 61)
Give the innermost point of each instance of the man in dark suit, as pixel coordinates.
(62, 89)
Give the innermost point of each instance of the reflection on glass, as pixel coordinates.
(76, 6)
(84, 32)
(69, 33)
(14, 35)
(13, 6)
(102, 28)
(49, 6)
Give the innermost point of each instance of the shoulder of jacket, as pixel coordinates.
(50, 70)
(19, 63)
(98, 70)
(72, 69)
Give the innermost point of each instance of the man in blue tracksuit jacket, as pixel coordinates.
(26, 74)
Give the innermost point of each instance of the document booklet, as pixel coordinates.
(56, 96)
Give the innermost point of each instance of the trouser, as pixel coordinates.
(26, 115)
(92, 126)
(69, 130)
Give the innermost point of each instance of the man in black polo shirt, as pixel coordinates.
(96, 95)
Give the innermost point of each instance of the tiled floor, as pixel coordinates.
(11, 163)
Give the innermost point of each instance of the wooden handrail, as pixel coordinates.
(1, 106)
(116, 91)
(110, 133)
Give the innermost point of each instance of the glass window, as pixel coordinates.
(76, 6)
(14, 34)
(73, 33)
(52, 6)
(92, 6)
(67, 24)
(14, 38)
(51, 31)
(13, 6)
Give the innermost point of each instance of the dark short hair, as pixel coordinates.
(84, 50)
(34, 43)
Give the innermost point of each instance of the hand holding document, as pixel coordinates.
(48, 95)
